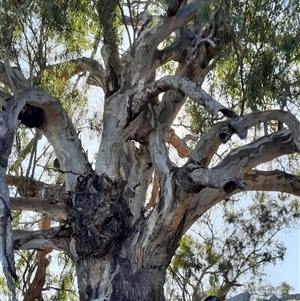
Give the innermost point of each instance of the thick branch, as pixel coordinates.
(17, 75)
(172, 52)
(7, 127)
(39, 205)
(186, 87)
(54, 238)
(35, 188)
(240, 162)
(164, 171)
(260, 151)
(138, 182)
(149, 41)
(107, 14)
(275, 180)
(60, 132)
(179, 144)
(243, 124)
(36, 286)
(65, 70)
(168, 25)
(112, 140)
(56, 126)
(208, 145)
(222, 132)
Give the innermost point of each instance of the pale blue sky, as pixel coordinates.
(289, 269)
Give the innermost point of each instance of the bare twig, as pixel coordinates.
(15, 83)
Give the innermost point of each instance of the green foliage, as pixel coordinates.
(285, 289)
(281, 291)
(259, 67)
(48, 31)
(64, 282)
(200, 121)
(231, 243)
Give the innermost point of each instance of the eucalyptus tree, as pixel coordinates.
(119, 240)
(229, 249)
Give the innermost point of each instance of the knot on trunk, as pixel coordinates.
(98, 215)
(184, 182)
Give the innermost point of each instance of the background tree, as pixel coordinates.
(120, 241)
(228, 249)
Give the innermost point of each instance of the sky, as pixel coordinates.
(289, 269)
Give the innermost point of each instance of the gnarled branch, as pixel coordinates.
(65, 70)
(193, 178)
(241, 125)
(148, 41)
(260, 151)
(60, 132)
(184, 86)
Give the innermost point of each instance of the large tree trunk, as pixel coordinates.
(116, 277)
(113, 260)
(120, 249)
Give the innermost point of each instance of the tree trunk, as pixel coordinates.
(112, 260)
(115, 278)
